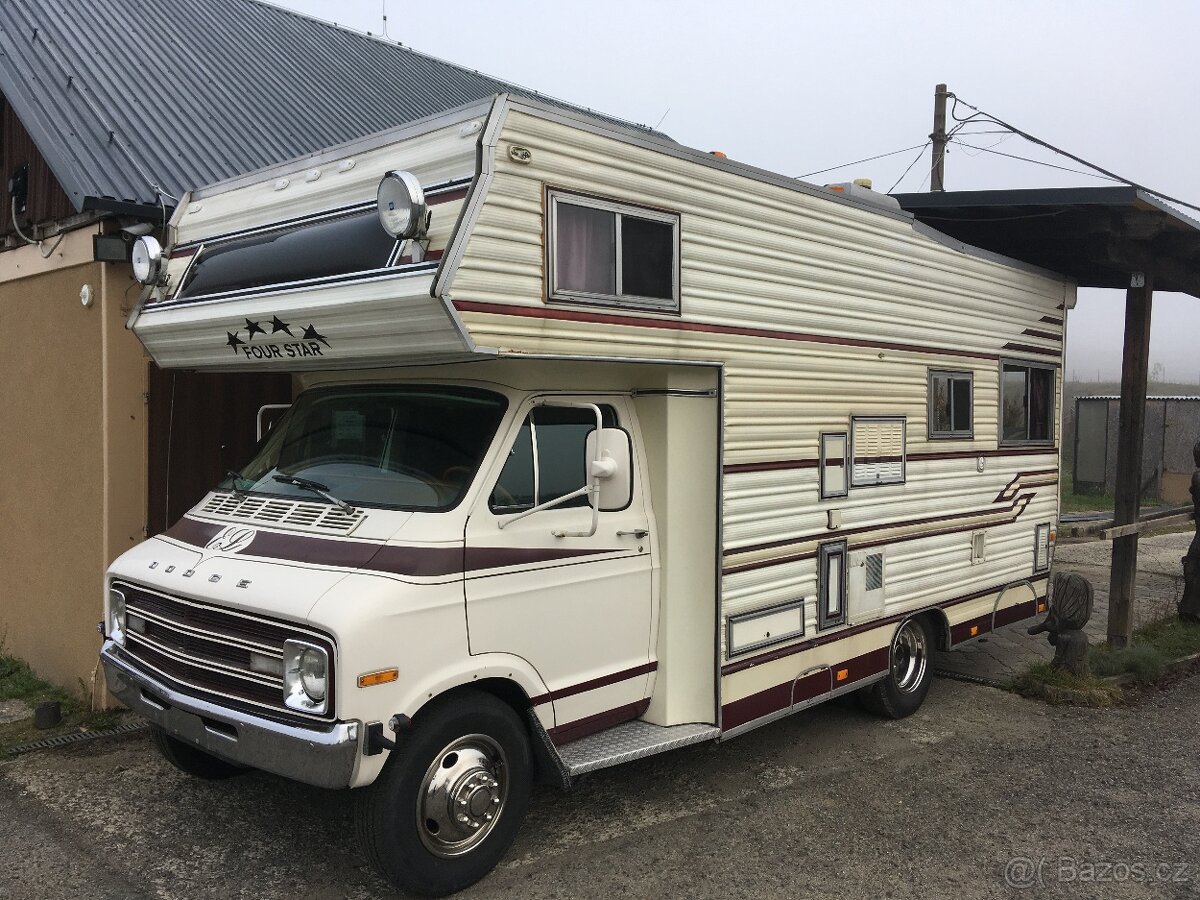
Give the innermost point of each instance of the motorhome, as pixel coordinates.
(601, 446)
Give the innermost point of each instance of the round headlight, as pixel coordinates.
(401, 205)
(312, 674)
(147, 259)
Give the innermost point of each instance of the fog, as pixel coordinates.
(800, 87)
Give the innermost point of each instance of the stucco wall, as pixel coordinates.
(72, 451)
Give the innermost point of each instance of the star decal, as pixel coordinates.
(253, 328)
(311, 334)
(278, 325)
(234, 341)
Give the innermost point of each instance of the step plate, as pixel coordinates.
(630, 741)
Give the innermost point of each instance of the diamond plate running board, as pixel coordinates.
(629, 741)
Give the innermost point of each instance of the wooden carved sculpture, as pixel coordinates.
(1189, 603)
(1070, 609)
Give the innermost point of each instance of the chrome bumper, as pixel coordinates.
(323, 757)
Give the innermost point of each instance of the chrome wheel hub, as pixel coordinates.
(910, 657)
(462, 795)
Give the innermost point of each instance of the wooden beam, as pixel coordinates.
(1134, 370)
(1147, 525)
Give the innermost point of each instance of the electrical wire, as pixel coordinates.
(857, 161)
(916, 160)
(1038, 162)
(37, 243)
(979, 113)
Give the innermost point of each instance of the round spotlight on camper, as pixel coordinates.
(401, 205)
(147, 259)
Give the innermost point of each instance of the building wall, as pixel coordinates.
(72, 451)
(47, 200)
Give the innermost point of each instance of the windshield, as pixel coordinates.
(413, 448)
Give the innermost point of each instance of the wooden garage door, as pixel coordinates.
(200, 424)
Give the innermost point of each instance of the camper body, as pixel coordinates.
(633, 447)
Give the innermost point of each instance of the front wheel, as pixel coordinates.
(192, 760)
(903, 691)
(449, 801)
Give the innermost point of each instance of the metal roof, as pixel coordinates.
(127, 98)
(1097, 236)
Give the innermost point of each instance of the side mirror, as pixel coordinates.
(610, 458)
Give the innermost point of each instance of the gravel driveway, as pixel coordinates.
(831, 802)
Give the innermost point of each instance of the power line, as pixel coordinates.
(868, 159)
(916, 160)
(1037, 162)
(1079, 159)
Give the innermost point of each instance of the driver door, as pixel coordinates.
(579, 609)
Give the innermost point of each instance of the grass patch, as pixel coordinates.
(1056, 686)
(1153, 649)
(18, 682)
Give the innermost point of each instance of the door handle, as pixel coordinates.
(638, 533)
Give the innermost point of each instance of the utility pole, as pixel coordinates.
(937, 174)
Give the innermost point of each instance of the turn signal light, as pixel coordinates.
(843, 674)
(384, 676)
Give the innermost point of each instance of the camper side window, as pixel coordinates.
(950, 404)
(831, 578)
(612, 253)
(1026, 404)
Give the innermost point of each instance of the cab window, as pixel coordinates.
(548, 458)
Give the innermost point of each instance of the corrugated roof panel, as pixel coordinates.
(123, 96)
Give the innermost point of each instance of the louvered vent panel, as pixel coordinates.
(878, 447)
(283, 513)
(874, 572)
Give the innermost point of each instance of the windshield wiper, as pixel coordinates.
(235, 478)
(317, 488)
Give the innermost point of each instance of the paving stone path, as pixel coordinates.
(1000, 656)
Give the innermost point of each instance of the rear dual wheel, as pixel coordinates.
(449, 801)
(903, 690)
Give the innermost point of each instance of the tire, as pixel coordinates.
(192, 760)
(902, 692)
(450, 799)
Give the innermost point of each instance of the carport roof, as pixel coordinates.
(1097, 236)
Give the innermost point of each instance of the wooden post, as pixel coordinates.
(1134, 370)
(937, 172)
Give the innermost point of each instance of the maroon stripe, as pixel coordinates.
(1026, 348)
(1052, 320)
(501, 557)
(785, 695)
(445, 196)
(189, 531)
(602, 681)
(775, 465)
(426, 562)
(1044, 335)
(791, 650)
(572, 315)
(430, 256)
(878, 459)
(1016, 481)
(581, 728)
(865, 529)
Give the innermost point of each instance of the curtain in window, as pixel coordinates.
(585, 244)
(1040, 381)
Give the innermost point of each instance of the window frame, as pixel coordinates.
(824, 460)
(903, 479)
(1051, 429)
(951, 435)
(826, 550)
(619, 208)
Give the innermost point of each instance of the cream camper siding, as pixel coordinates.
(819, 310)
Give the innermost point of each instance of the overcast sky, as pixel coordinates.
(800, 86)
